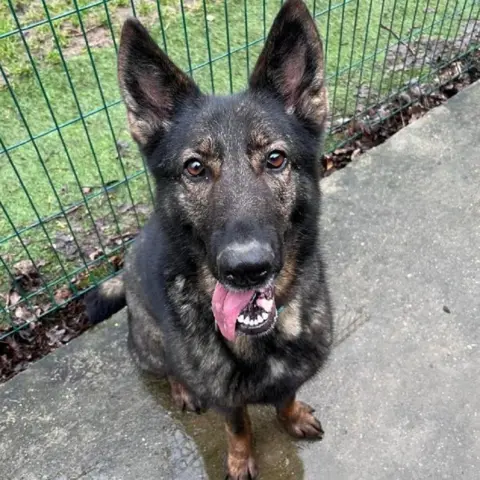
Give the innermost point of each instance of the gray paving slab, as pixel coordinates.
(401, 396)
(83, 412)
(398, 400)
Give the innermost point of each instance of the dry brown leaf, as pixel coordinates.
(62, 294)
(13, 297)
(95, 254)
(117, 261)
(356, 153)
(55, 336)
(342, 151)
(119, 239)
(23, 314)
(25, 268)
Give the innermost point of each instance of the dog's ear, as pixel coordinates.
(291, 65)
(152, 86)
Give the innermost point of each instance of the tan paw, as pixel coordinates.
(241, 468)
(299, 421)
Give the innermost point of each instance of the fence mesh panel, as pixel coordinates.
(73, 188)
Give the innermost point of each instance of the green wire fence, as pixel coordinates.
(73, 188)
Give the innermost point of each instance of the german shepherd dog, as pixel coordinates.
(225, 284)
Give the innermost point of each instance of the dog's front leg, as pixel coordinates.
(240, 461)
(184, 400)
(298, 419)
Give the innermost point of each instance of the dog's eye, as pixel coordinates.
(276, 160)
(194, 168)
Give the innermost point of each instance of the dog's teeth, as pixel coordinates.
(253, 322)
(244, 319)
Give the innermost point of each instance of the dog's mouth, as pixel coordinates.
(251, 313)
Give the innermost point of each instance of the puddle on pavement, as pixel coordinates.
(276, 453)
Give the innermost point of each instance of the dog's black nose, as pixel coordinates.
(245, 265)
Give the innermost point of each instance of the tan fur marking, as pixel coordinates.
(314, 105)
(289, 320)
(182, 398)
(240, 461)
(286, 278)
(113, 288)
(206, 146)
(259, 138)
(277, 367)
(142, 127)
(206, 280)
(298, 419)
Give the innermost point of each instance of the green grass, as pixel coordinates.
(68, 166)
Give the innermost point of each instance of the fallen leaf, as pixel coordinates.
(22, 313)
(65, 243)
(27, 276)
(55, 336)
(119, 239)
(95, 254)
(117, 261)
(13, 298)
(25, 268)
(63, 238)
(62, 294)
(356, 153)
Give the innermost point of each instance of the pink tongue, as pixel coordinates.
(226, 306)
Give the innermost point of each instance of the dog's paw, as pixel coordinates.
(184, 400)
(300, 422)
(241, 468)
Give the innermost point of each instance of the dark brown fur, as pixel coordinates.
(171, 271)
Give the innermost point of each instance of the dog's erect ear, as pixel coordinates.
(152, 87)
(291, 65)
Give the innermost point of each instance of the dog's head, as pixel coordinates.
(237, 170)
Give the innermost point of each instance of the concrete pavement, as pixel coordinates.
(400, 397)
